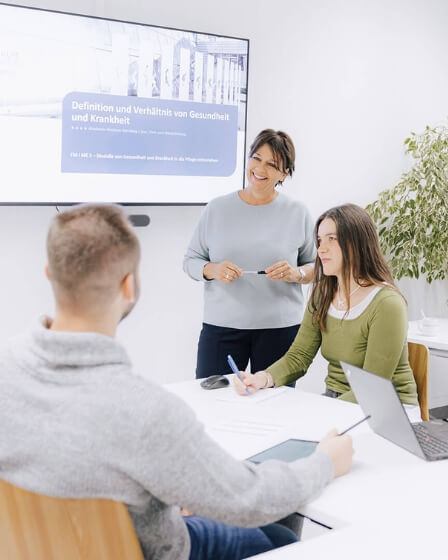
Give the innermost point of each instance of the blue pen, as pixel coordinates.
(235, 370)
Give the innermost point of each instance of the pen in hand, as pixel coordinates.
(236, 371)
(354, 425)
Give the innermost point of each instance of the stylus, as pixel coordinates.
(354, 425)
(254, 272)
(235, 370)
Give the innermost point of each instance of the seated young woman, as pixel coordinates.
(355, 313)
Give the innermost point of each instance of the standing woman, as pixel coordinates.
(248, 315)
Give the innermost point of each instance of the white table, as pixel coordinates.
(437, 344)
(438, 366)
(387, 505)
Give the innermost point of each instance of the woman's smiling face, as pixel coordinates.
(264, 169)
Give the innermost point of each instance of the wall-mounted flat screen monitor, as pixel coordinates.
(95, 109)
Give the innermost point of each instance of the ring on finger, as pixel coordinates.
(227, 276)
(281, 274)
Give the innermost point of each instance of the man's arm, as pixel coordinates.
(182, 465)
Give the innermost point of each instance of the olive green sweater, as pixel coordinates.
(375, 341)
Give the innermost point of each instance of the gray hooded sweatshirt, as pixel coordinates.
(75, 421)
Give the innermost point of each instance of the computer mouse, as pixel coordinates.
(214, 382)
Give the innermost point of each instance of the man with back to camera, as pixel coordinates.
(76, 421)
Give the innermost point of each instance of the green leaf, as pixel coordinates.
(412, 217)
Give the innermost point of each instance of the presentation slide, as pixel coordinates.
(102, 110)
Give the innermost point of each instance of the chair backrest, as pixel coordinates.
(35, 527)
(419, 362)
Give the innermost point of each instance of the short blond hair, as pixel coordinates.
(91, 248)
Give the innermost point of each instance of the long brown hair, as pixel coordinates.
(361, 256)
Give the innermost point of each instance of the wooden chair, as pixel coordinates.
(419, 362)
(35, 527)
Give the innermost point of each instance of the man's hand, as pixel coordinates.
(340, 449)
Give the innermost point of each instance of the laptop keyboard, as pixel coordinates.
(430, 444)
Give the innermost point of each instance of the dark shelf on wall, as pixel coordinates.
(139, 220)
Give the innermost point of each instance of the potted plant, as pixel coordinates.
(412, 217)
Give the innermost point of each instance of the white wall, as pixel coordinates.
(348, 79)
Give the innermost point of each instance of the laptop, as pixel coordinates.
(379, 399)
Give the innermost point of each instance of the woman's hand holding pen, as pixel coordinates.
(253, 382)
(282, 270)
(224, 271)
